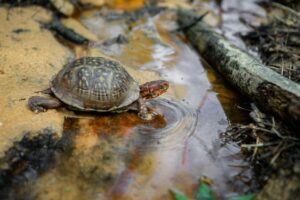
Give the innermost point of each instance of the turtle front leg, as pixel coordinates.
(144, 113)
(41, 104)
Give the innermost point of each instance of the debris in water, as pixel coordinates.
(120, 39)
(65, 32)
(21, 30)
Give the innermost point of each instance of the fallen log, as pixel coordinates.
(271, 91)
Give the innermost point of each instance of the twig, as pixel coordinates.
(273, 160)
(256, 148)
(285, 8)
(274, 130)
(258, 145)
(285, 22)
(240, 107)
(290, 70)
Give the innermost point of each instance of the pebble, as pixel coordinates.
(93, 2)
(65, 7)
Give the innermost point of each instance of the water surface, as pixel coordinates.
(120, 156)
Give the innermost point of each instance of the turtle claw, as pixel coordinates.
(38, 109)
(147, 116)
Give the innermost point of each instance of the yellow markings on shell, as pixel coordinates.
(101, 78)
(86, 73)
(109, 82)
(85, 81)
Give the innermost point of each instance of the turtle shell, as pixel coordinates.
(95, 84)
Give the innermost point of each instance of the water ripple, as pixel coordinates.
(181, 123)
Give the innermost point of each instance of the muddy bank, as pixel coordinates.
(29, 57)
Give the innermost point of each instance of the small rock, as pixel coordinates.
(93, 2)
(79, 28)
(120, 39)
(21, 30)
(63, 6)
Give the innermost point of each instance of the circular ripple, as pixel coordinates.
(181, 122)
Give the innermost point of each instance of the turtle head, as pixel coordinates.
(153, 89)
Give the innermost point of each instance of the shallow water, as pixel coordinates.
(119, 156)
(123, 157)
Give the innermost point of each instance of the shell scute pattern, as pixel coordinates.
(84, 78)
(95, 84)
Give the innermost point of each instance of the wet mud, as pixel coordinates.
(25, 161)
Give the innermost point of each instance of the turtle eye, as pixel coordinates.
(165, 87)
(154, 94)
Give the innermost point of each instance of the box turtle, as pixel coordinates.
(98, 84)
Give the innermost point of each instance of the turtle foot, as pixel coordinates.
(147, 116)
(35, 106)
(39, 104)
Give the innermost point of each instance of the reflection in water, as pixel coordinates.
(110, 153)
(120, 156)
(180, 124)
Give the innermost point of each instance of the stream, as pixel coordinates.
(120, 156)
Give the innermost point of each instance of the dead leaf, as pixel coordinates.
(97, 3)
(174, 4)
(126, 4)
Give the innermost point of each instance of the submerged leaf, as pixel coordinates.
(243, 197)
(178, 195)
(204, 192)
